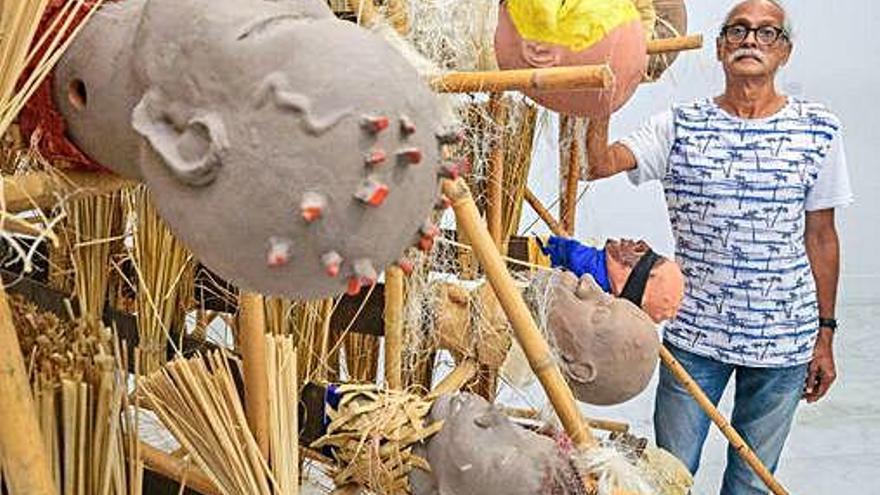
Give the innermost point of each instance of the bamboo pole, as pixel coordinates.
(176, 469)
(495, 175)
(252, 346)
(677, 44)
(22, 450)
(365, 10)
(736, 441)
(42, 189)
(598, 424)
(568, 204)
(457, 378)
(533, 343)
(547, 79)
(542, 212)
(393, 327)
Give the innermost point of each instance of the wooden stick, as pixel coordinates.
(16, 225)
(736, 441)
(542, 212)
(21, 443)
(548, 79)
(495, 175)
(533, 343)
(398, 16)
(568, 204)
(365, 10)
(42, 189)
(599, 424)
(393, 327)
(176, 469)
(456, 379)
(677, 44)
(252, 345)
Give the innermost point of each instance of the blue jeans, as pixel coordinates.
(764, 406)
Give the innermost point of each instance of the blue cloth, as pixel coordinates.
(764, 405)
(579, 259)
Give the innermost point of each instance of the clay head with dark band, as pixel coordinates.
(665, 288)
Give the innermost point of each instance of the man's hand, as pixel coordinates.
(822, 372)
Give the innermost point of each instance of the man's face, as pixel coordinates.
(752, 43)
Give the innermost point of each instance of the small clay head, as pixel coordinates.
(608, 347)
(523, 39)
(664, 288)
(480, 450)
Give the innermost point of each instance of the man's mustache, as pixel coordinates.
(740, 53)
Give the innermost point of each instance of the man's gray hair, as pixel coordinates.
(780, 4)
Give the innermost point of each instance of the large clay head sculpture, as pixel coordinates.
(608, 347)
(293, 153)
(652, 282)
(549, 33)
(480, 450)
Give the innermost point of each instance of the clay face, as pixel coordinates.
(665, 288)
(479, 450)
(293, 153)
(608, 347)
(623, 48)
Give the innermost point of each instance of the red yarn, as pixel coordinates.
(40, 121)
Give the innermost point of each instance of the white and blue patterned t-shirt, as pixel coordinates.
(738, 190)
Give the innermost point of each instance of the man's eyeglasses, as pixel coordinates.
(765, 35)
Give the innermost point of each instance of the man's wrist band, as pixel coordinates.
(829, 323)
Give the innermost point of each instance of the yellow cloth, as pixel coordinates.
(536, 256)
(575, 24)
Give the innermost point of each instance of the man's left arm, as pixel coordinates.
(823, 251)
(830, 191)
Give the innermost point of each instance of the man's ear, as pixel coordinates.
(189, 141)
(787, 56)
(718, 43)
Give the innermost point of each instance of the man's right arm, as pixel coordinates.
(644, 154)
(604, 160)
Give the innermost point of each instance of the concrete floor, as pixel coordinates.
(833, 448)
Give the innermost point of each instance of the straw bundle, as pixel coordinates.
(283, 430)
(94, 227)
(361, 357)
(79, 392)
(372, 434)
(165, 274)
(197, 401)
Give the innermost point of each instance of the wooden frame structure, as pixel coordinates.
(26, 468)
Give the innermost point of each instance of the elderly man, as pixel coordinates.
(752, 178)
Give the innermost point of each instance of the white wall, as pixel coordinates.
(834, 62)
